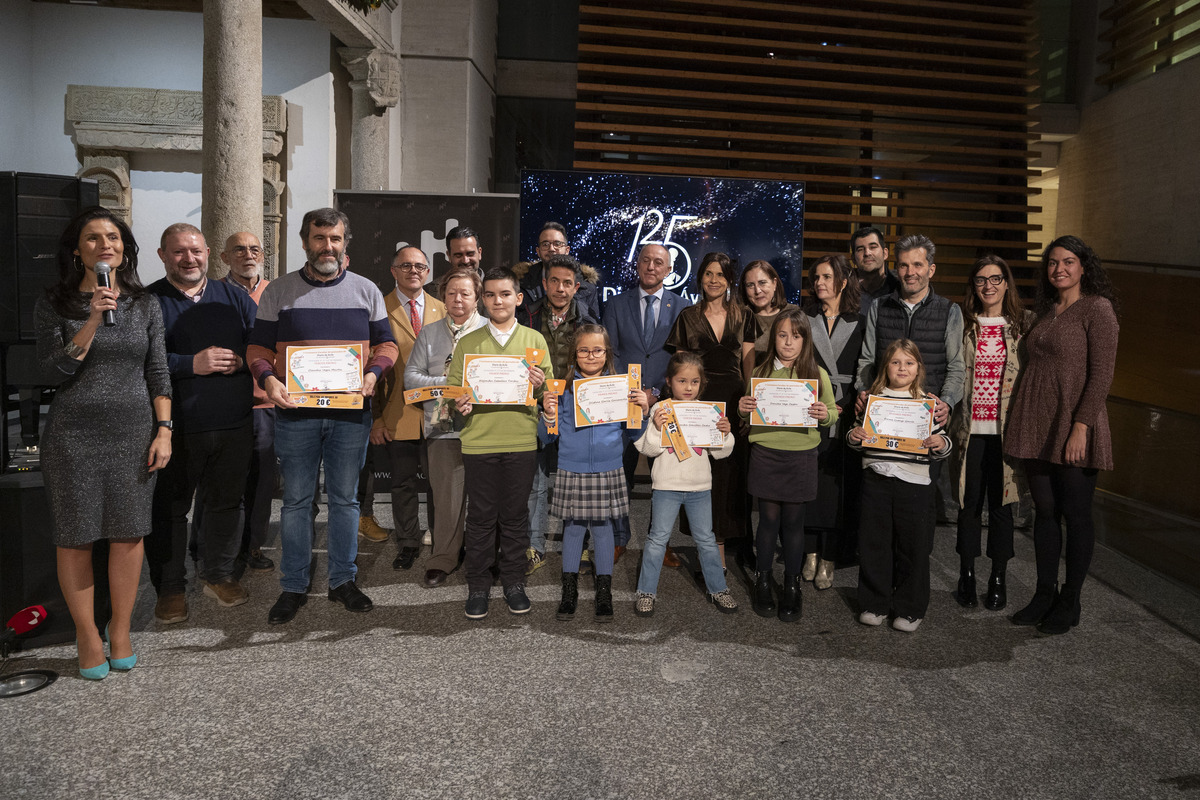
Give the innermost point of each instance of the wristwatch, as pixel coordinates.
(72, 350)
(166, 423)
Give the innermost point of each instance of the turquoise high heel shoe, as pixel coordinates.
(94, 673)
(120, 664)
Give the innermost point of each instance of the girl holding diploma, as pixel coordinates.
(895, 531)
(589, 485)
(686, 483)
(783, 464)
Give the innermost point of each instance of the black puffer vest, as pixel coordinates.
(926, 327)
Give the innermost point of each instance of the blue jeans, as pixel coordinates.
(301, 445)
(664, 509)
(539, 518)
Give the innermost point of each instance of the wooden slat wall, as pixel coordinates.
(1145, 35)
(916, 109)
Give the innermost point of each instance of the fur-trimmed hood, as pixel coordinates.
(589, 274)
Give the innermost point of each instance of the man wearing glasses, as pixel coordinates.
(552, 241)
(398, 426)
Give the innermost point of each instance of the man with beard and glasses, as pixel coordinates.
(320, 304)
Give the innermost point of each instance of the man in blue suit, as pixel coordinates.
(638, 322)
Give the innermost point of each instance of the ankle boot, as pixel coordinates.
(570, 596)
(762, 602)
(1063, 615)
(966, 596)
(824, 576)
(810, 567)
(1038, 607)
(997, 594)
(604, 605)
(790, 599)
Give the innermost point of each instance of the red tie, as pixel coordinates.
(414, 317)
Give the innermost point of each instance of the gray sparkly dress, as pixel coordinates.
(97, 437)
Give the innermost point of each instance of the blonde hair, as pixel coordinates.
(908, 347)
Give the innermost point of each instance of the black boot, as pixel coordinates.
(566, 609)
(604, 606)
(997, 594)
(1038, 607)
(966, 596)
(790, 599)
(762, 602)
(1064, 614)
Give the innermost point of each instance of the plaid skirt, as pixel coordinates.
(589, 495)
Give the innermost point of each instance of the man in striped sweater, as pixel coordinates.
(321, 304)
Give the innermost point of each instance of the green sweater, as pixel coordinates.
(499, 429)
(795, 438)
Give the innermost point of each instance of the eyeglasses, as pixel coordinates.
(594, 352)
(411, 266)
(552, 245)
(984, 280)
(243, 250)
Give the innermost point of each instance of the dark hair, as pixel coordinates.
(916, 241)
(851, 295)
(1012, 310)
(461, 232)
(573, 337)
(563, 261)
(64, 296)
(179, 227)
(780, 298)
(469, 274)
(865, 231)
(554, 226)
(1093, 282)
(682, 359)
(502, 274)
(909, 347)
(805, 366)
(324, 218)
(733, 304)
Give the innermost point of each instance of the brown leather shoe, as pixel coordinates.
(171, 608)
(670, 559)
(435, 578)
(618, 551)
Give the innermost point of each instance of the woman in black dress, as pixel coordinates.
(696, 331)
(837, 333)
(108, 429)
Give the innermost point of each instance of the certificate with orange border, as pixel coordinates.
(498, 380)
(325, 376)
(698, 423)
(783, 402)
(898, 423)
(600, 400)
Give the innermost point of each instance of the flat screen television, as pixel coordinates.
(609, 216)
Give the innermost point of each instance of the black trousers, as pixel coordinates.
(1062, 494)
(408, 461)
(498, 486)
(985, 481)
(215, 462)
(895, 539)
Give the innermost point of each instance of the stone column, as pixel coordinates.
(233, 108)
(375, 88)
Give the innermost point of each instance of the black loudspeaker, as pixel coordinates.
(28, 566)
(34, 210)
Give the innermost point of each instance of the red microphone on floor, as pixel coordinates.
(20, 624)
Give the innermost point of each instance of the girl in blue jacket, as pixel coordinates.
(589, 487)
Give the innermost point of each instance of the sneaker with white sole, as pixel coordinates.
(872, 619)
(227, 592)
(533, 561)
(906, 624)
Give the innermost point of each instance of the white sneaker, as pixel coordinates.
(428, 539)
(874, 620)
(906, 624)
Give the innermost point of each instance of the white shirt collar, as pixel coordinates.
(642, 293)
(405, 300)
(501, 336)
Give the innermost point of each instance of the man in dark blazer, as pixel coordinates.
(635, 342)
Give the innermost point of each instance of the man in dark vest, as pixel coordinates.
(916, 312)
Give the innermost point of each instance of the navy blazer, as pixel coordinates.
(623, 319)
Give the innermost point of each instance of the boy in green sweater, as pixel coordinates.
(499, 447)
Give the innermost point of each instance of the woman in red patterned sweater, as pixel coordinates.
(994, 322)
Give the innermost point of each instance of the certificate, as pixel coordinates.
(498, 380)
(894, 423)
(325, 376)
(698, 424)
(600, 400)
(783, 402)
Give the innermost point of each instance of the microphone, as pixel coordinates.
(102, 270)
(21, 623)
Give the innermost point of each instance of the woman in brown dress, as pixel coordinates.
(1059, 423)
(712, 330)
